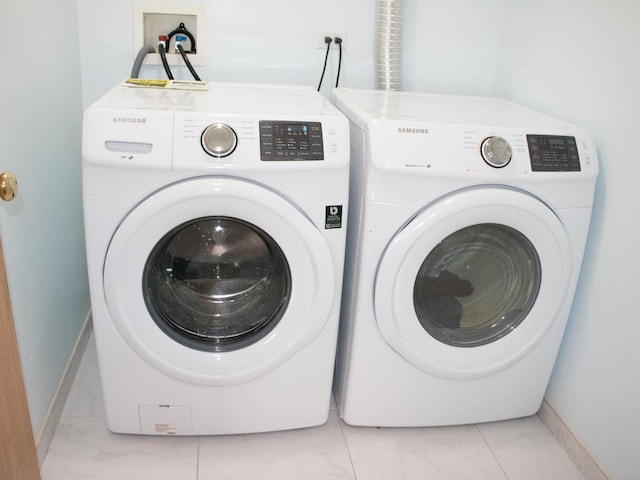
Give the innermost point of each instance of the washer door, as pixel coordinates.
(217, 281)
(473, 282)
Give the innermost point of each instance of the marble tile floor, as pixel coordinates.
(82, 448)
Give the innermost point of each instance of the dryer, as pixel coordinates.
(468, 223)
(215, 232)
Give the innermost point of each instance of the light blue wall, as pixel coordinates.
(448, 47)
(42, 229)
(583, 66)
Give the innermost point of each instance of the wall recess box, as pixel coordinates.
(151, 19)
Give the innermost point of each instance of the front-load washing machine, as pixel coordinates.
(468, 223)
(215, 230)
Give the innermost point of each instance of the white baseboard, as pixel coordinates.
(586, 464)
(64, 386)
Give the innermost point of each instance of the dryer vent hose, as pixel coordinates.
(389, 33)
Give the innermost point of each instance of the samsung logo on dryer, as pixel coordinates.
(413, 130)
(129, 120)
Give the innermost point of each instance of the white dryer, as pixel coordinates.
(215, 230)
(468, 222)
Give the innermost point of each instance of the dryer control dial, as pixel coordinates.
(496, 151)
(219, 140)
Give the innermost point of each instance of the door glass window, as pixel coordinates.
(477, 285)
(217, 284)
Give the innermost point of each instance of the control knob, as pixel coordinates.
(219, 140)
(496, 151)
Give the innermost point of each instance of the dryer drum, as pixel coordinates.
(216, 284)
(477, 285)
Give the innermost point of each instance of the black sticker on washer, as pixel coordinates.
(333, 216)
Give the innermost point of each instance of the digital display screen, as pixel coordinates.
(297, 129)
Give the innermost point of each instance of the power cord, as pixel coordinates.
(180, 49)
(162, 45)
(339, 42)
(328, 41)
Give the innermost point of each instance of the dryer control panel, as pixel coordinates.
(553, 153)
(293, 141)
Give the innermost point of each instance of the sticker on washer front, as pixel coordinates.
(333, 216)
(166, 428)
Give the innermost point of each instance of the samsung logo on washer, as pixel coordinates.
(413, 130)
(129, 120)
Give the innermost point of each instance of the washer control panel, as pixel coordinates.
(291, 141)
(553, 153)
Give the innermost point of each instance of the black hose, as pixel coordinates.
(137, 63)
(187, 62)
(328, 40)
(165, 64)
(182, 30)
(339, 42)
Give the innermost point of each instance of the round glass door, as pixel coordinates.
(216, 284)
(473, 282)
(477, 285)
(218, 281)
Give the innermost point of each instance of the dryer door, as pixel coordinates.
(473, 282)
(217, 281)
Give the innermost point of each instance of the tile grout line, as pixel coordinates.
(346, 444)
(198, 460)
(495, 457)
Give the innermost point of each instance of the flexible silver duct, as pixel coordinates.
(389, 33)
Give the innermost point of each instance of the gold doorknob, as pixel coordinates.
(8, 186)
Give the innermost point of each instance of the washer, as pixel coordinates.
(468, 223)
(215, 230)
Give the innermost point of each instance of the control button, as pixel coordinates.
(496, 151)
(219, 140)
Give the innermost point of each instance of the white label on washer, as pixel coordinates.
(166, 428)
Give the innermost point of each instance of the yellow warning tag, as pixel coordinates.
(139, 82)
